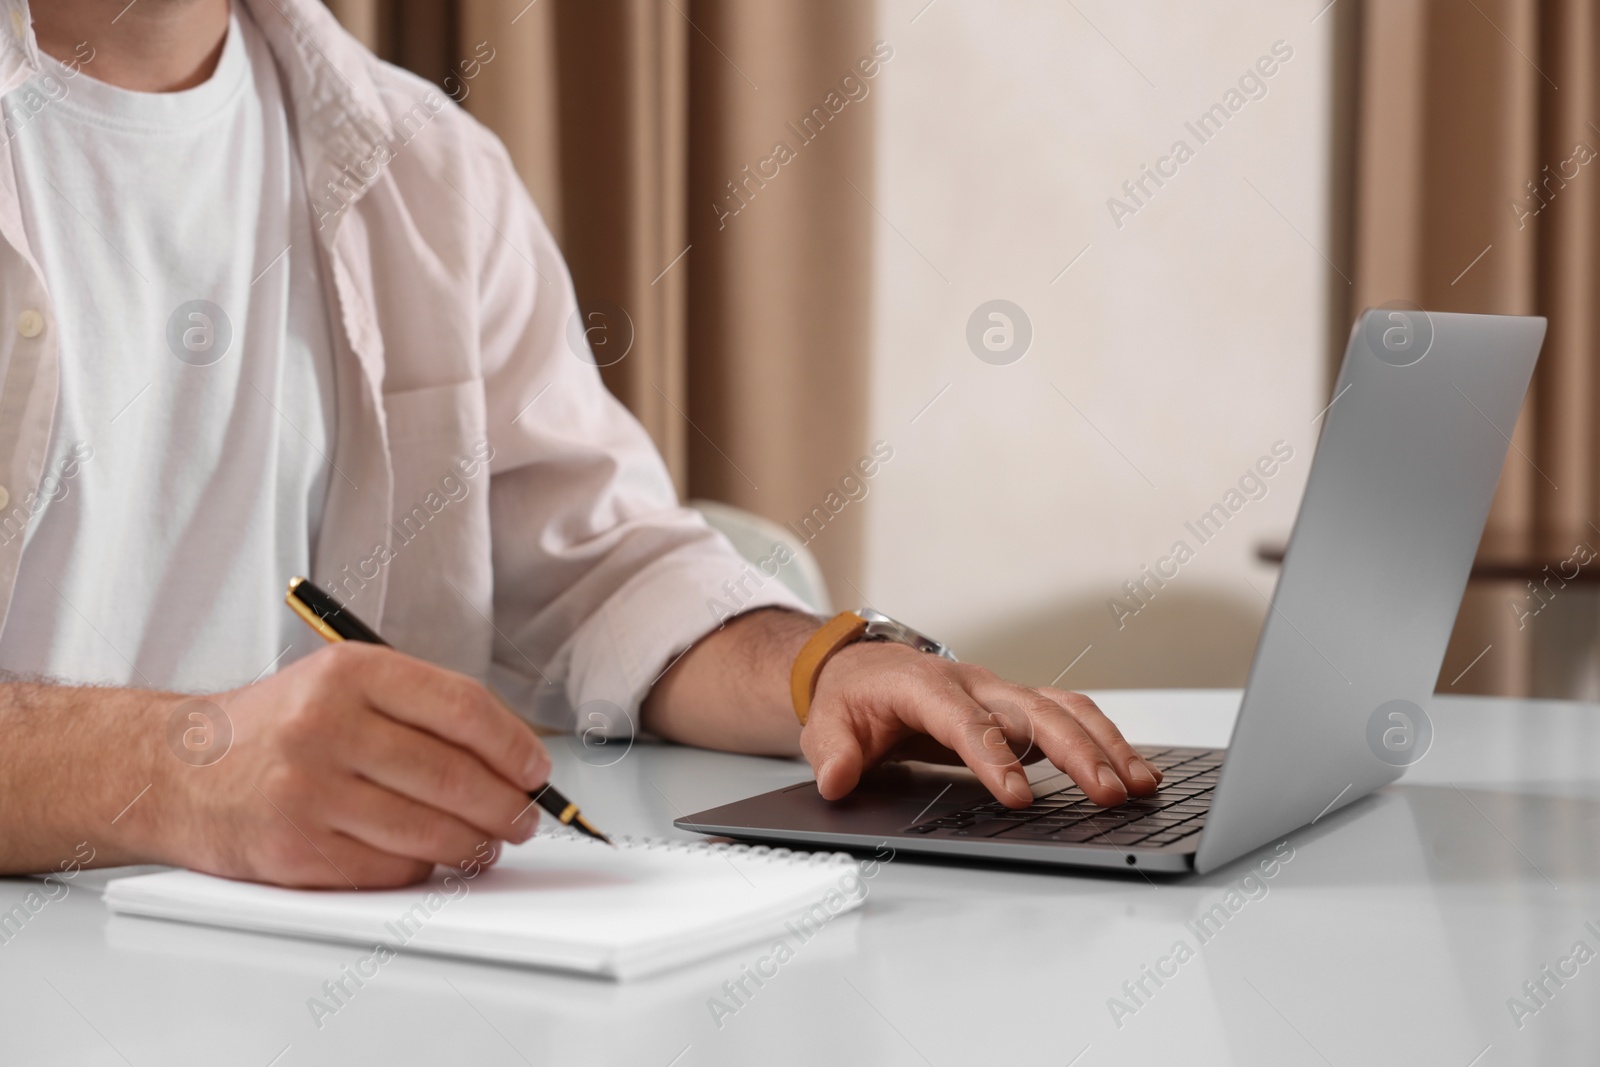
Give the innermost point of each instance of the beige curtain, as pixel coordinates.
(628, 119)
(1477, 188)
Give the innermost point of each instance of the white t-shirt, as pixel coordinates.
(196, 397)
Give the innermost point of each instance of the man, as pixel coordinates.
(279, 309)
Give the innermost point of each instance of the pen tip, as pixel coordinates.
(592, 832)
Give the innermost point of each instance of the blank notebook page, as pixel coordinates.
(559, 901)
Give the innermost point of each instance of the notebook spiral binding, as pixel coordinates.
(662, 844)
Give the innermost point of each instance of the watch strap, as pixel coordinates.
(843, 629)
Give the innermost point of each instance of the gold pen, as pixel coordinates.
(335, 622)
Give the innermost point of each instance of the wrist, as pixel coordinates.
(773, 639)
(730, 690)
(149, 804)
(824, 644)
(846, 630)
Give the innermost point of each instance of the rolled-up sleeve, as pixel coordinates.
(601, 578)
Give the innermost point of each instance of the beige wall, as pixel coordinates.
(1164, 363)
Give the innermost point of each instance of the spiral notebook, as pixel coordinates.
(560, 901)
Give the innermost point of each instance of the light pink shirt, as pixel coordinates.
(494, 509)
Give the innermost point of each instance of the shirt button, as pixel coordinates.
(30, 323)
(5, 497)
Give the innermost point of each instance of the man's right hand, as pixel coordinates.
(357, 766)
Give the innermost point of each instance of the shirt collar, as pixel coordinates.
(19, 49)
(335, 105)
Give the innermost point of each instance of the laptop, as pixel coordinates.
(1412, 444)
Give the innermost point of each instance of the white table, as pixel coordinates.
(1395, 934)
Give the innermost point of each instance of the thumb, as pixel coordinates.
(835, 755)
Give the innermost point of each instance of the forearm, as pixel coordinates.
(731, 690)
(73, 761)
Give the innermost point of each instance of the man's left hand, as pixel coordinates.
(878, 701)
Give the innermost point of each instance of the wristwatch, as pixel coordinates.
(844, 629)
(881, 627)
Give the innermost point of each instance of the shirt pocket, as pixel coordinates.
(440, 584)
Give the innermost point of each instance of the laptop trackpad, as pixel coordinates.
(889, 799)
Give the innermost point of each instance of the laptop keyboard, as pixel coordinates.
(1177, 811)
